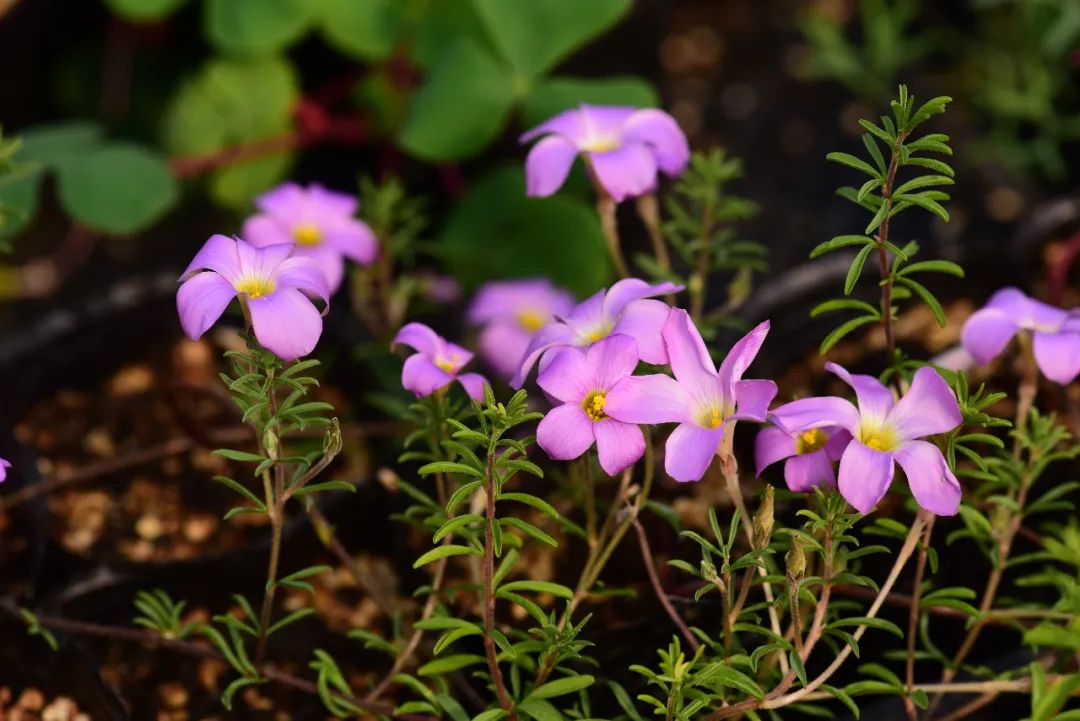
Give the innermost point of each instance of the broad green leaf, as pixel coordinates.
(535, 36)
(256, 27)
(364, 29)
(554, 95)
(461, 107)
(120, 188)
(440, 25)
(18, 203)
(53, 145)
(562, 686)
(144, 10)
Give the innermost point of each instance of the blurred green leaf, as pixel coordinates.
(442, 22)
(461, 107)
(51, 145)
(535, 36)
(120, 188)
(144, 10)
(364, 29)
(557, 94)
(18, 202)
(498, 232)
(256, 27)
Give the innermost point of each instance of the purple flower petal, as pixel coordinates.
(303, 274)
(4, 466)
(502, 345)
(818, 412)
(261, 262)
(689, 451)
(690, 361)
(753, 398)
(610, 360)
(932, 483)
(625, 172)
(354, 240)
(875, 400)
(565, 432)
(420, 375)
(331, 202)
(286, 323)
(420, 338)
(473, 383)
(648, 399)
(1058, 355)
(772, 444)
(986, 333)
(663, 135)
(643, 320)
(201, 300)
(545, 339)
(740, 357)
(837, 443)
(619, 445)
(567, 123)
(569, 377)
(587, 317)
(330, 262)
(510, 299)
(626, 291)
(865, 475)
(217, 254)
(928, 408)
(606, 121)
(547, 165)
(263, 230)
(804, 473)
(285, 199)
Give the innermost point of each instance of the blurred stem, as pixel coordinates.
(489, 589)
(590, 501)
(881, 239)
(606, 207)
(275, 505)
(915, 611)
(649, 211)
(698, 288)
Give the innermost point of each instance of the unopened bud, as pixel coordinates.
(271, 444)
(332, 439)
(795, 560)
(763, 520)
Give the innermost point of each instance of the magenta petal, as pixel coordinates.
(690, 361)
(626, 291)
(619, 445)
(353, 239)
(329, 261)
(928, 408)
(285, 199)
(610, 360)
(625, 172)
(201, 300)
(740, 357)
(660, 132)
(986, 333)
(304, 274)
(263, 230)
(422, 377)
(648, 399)
(837, 443)
(286, 323)
(568, 378)
(932, 483)
(473, 383)
(1058, 355)
(643, 320)
(772, 444)
(565, 432)
(548, 337)
(689, 451)
(817, 412)
(4, 466)
(420, 338)
(752, 399)
(804, 473)
(331, 202)
(568, 123)
(875, 400)
(547, 165)
(865, 475)
(217, 254)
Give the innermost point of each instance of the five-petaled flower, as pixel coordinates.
(700, 399)
(511, 312)
(884, 432)
(582, 380)
(625, 308)
(276, 289)
(623, 147)
(436, 363)
(1056, 333)
(319, 222)
(809, 455)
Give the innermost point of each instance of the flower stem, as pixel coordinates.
(914, 613)
(649, 211)
(881, 239)
(489, 590)
(275, 508)
(658, 589)
(605, 207)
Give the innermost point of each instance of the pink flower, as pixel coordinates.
(623, 309)
(4, 466)
(277, 290)
(886, 431)
(436, 363)
(810, 455)
(699, 398)
(511, 312)
(623, 147)
(319, 222)
(582, 380)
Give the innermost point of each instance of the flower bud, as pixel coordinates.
(763, 520)
(271, 444)
(332, 439)
(795, 560)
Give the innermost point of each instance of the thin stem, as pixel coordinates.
(744, 593)
(489, 591)
(883, 254)
(590, 501)
(275, 505)
(658, 589)
(725, 598)
(363, 579)
(915, 612)
(649, 211)
(698, 287)
(605, 207)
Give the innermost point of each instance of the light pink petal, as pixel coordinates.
(610, 360)
(875, 400)
(625, 172)
(263, 230)
(304, 274)
(565, 432)
(502, 345)
(286, 323)
(865, 475)
(605, 120)
(628, 290)
(508, 299)
(4, 467)
(284, 200)
(420, 338)
(837, 443)
(588, 316)
(547, 165)
(740, 357)
(932, 483)
(648, 399)
(201, 300)
(772, 444)
(567, 123)
(663, 135)
(420, 375)
(690, 361)
(619, 445)
(261, 262)
(804, 473)
(643, 320)
(473, 383)
(217, 254)
(752, 398)
(1058, 356)
(353, 239)
(928, 408)
(460, 356)
(548, 337)
(689, 451)
(817, 412)
(568, 378)
(986, 333)
(330, 202)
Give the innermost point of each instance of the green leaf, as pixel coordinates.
(852, 162)
(797, 666)
(443, 552)
(831, 306)
(461, 107)
(243, 491)
(933, 266)
(120, 188)
(724, 675)
(530, 500)
(555, 589)
(554, 95)
(18, 203)
(492, 714)
(530, 530)
(366, 30)
(562, 686)
(539, 709)
(54, 144)
(241, 456)
(448, 664)
(923, 181)
(449, 467)
(838, 334)
(144, 10)
(256, 27)
(840, 241)
(927, 297)
(535, 36)
(856, 269)
(878, 623)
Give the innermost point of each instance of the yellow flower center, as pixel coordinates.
(531, 320)
(878, 438)
(712, 418)
(449, 365)
(307, 235)
(810, 441)
(593, 405)
(600, 145)
(254, 287)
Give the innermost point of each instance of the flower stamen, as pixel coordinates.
(448, 365)
(530, 320)
(810, 441)
(254, 287)
(593, 405)
(878, 439)
(307, 235)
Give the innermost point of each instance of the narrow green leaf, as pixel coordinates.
(856, 269)
(562, 686)
(852, 162)
(445, 551)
